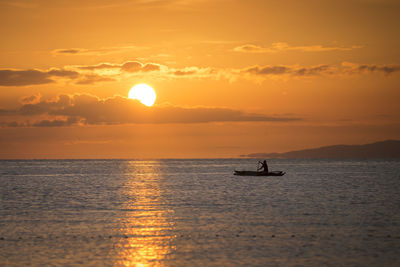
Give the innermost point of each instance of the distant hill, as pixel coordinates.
(384, 149)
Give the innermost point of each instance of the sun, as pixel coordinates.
(144, 93)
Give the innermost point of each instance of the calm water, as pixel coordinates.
(196, 213)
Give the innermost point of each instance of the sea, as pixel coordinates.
(195, 212)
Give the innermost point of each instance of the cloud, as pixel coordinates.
(313, 70)
(90, 74)
(135, 66)
(6, 112)
(44, 106)
(33, 99)
(10, 77)
(354, 68)
(63, 73)
(128, 66)
(108, 72)
(56, 123)
(120, 110)
(72, 51)
(87, 109)
(96, 52)
(250, 48)
(346, 68)
(281, 46)
(298, 71)
(100, 66)
(162, 71)
(150, 67)
(265, 70)
(195, 72)
(93, 78)
(184, 72)
(13, 124)
(23, 77)
(288, 70)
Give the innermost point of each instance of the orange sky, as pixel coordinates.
(232, 77)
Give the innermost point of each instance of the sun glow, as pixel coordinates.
(144, 93)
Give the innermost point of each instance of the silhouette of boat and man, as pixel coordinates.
(262, 170)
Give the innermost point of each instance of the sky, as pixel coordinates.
(231, 77)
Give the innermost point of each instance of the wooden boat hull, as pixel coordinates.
(254, 173)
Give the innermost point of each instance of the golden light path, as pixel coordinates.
(146, 231)
(144, 93)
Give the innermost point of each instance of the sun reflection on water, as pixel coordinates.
(146, 232)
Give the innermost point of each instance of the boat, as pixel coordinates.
(255, 173)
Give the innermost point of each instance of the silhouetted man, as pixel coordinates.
(264, 166)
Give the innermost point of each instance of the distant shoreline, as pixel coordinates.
(383, 149)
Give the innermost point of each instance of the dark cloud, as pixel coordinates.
(72, 51)
(6, 112)
(355, 68)
(93, 78)
(31, 99)
(87, 109)
(56, 123)
(316, 70)
(23, 77)
(184, 72)
(63, 73)
(100, 66)
(150, 67)
(298, 71)
(43, 107)
(13, 124)
(10, 77)
(386, 69)
(282, 46)
(132, 67)
(119, 110)
(289, 70)
(96, 52)
(250, 48)
(266, 70)
(129, 66)
(91, 74)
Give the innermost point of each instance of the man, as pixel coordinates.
(263, 166)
